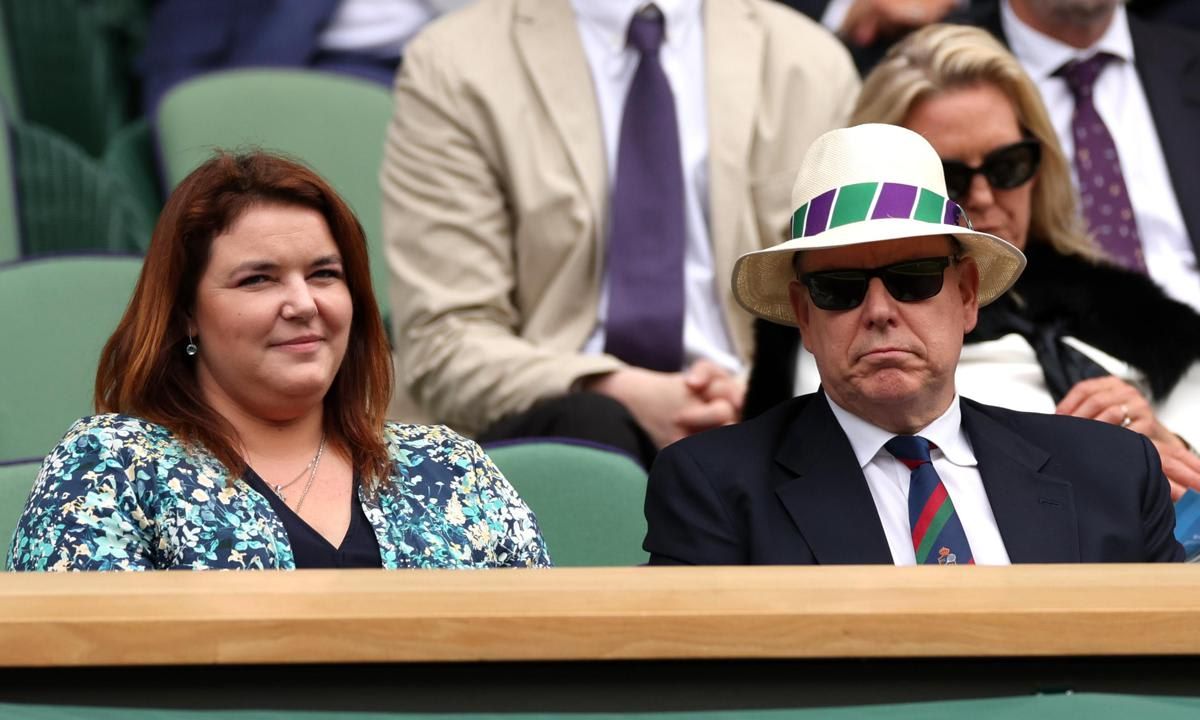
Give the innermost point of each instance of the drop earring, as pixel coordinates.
(191, 348)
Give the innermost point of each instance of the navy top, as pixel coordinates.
(359, 549)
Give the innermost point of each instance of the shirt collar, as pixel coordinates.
(611, 18)
(1042, 55)
(946, 432)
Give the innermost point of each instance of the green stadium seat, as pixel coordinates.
(10, 235)
(130, 157)
(58, 313)
(68, 202)
(10, 100)
(335, 124)
(589, 502)
(72, 62)
(16, 479)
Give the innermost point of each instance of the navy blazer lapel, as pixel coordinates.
(1034, 512)
(1169, 69)
(820, 484)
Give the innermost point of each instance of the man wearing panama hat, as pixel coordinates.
(886, 463)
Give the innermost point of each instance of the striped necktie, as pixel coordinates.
(937, 533)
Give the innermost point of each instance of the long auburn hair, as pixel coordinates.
(943, 57)
(144, 370)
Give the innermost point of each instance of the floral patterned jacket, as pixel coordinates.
(120, 493)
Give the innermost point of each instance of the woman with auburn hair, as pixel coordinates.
(1076, 334)
(242, 400)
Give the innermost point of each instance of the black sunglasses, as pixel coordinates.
(908, 281)
(1005, 168)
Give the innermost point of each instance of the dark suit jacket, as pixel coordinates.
(865, 58)
(785, 488)
(190, 37)
(815, 9)
(1180, 12)
(1168, 64)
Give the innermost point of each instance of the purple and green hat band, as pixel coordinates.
(862, 202)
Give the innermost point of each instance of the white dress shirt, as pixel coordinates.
(835, 14)
(954, 461)
(375, 27)
(603, 28)
(1121, 102)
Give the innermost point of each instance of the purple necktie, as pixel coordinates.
(1102, 189)
(644, 326)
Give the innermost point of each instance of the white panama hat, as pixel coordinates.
(865, 184)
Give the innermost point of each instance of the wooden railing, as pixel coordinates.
(579, 614)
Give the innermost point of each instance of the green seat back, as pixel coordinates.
(73, 65)
(68, 202)
(16, 479)
(335, 124)
(10, 238)
(588, 502)
(130, 158)
(58, 313)
(9, 98)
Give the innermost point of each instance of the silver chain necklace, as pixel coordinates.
(280, 487)
(311, 469)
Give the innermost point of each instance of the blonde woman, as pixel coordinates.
(1076, 335)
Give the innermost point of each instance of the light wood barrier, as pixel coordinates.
(589, 614)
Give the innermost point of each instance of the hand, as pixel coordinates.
(868, 20)
(1181, 467)
(712, 382)
(1112, 400)
(664, 404)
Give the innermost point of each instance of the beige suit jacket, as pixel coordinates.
(496, 189)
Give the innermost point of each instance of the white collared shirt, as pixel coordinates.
(603, 28)
(835, 14)
(375, 27)
(954, 461)
(1121, 102)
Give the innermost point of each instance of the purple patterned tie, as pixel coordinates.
(646, 247)
(1102, 189)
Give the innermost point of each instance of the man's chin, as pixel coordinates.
(891, 387)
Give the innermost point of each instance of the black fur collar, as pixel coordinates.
(1123, 313)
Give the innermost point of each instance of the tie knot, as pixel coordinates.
(1081, 74)
(912, 450)
(646, 30)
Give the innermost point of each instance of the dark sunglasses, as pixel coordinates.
(908, 281)
(1005, 168)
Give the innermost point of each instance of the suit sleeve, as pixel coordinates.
(448, 230)
(1158, 514)
(686, 521)
(814, 90)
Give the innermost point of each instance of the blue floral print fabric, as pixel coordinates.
(120, 493)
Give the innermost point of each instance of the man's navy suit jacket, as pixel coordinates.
(785, 488)
(188, 38)
(1167, 60)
